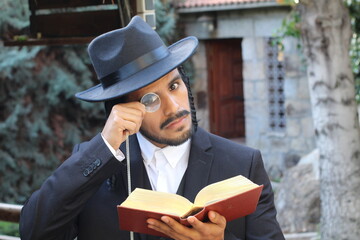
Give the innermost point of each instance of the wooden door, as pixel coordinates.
(224, 64)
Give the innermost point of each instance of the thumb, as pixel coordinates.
(216, 218)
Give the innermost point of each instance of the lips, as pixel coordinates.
(177, 118)
(176, 122)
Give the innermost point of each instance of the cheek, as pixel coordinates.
(151, 121)
(186, 103)
(184, 98)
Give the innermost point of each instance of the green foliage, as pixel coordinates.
(9, 229)
(354, 9)
(165, 21)
(18, 12)
(289, 27)
(40, 119)
(166, 28)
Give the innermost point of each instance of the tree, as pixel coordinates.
(326, 33)
(354, 8)
(165, 21)
(40, 119)
(167, 28)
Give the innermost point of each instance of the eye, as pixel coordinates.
(174, 86)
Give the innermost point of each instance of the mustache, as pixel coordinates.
(173, 118)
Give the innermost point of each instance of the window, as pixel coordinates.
(275, 76)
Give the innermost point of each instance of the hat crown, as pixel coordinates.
(131, 58)
(110, 51)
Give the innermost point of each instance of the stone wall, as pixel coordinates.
(200, 87)
(280, 150)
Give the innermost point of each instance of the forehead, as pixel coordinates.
(157, 85)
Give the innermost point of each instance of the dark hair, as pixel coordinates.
(110, 103)
(186, 80)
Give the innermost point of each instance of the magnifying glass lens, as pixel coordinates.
(151, 101)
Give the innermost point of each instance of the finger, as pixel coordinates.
(180, 231)
(171, 228)
(133, 105)
(120, 110)
(127, 118)
(120, 114)
(130, 127)
(160, 227)
(194, 222)
(217, 219)
(214, 218)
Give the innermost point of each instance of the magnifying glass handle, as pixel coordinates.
(128, 162)
(128, 171)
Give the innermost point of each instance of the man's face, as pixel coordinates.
(171, 123)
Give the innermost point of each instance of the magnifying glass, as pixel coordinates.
(151, 101)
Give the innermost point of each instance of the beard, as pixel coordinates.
(167, 140)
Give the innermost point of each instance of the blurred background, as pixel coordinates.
(249, 79)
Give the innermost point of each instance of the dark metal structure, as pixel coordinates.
(61, 22)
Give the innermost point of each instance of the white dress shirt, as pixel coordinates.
(117, 153)
(164, 166)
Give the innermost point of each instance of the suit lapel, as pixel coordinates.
(200, 161)
(139, 177)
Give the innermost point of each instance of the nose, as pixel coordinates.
(169, 105)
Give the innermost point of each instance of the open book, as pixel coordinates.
(233, 198)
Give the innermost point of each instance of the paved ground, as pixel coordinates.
(302, 236)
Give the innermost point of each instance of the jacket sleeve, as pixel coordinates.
(51, 212)
(262, 224)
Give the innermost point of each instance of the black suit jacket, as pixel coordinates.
(80, 197)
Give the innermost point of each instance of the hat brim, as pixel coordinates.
(179, 53)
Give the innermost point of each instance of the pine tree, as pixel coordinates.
(40, 119)
(166, 27)
(165, 21)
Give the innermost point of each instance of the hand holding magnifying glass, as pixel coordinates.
(151, 101)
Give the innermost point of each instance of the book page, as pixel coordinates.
(223, 189)
(162, 202)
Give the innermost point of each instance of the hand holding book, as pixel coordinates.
(233, 198)
(214, 229)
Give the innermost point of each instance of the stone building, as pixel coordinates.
(246, 88)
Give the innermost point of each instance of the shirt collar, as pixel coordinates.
(173, 154)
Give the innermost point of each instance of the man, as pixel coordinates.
(168, 152)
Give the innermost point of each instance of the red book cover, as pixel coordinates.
(231, 208)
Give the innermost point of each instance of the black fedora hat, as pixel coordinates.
(131, 58)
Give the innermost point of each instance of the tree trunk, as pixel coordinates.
(326, 33)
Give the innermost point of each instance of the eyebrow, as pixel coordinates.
(175, 78)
